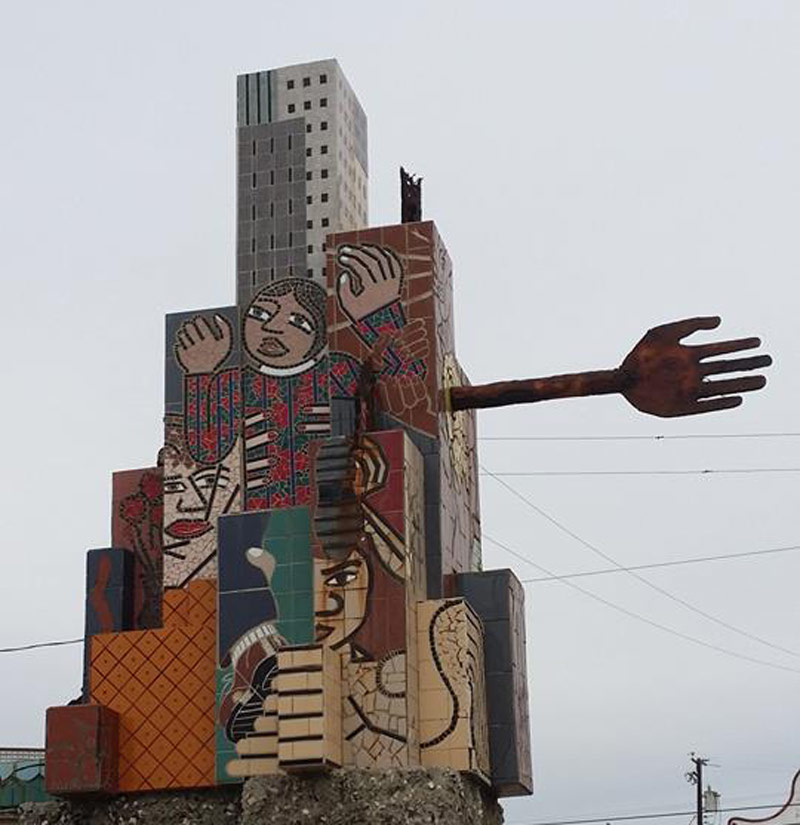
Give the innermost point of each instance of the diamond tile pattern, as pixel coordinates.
(161, 683)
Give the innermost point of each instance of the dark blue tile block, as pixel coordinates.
(109, 590)
(498, 599)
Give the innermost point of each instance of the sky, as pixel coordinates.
(595, 168)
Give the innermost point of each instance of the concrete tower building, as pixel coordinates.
(302, 170)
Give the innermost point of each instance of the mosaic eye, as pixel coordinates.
(301, 322)
(174, 487)
(260, 313)
(342, 578)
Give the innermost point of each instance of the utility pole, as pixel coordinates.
(695, 778)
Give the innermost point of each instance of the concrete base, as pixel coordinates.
(343, 797)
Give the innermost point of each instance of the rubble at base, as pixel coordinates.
(342, 797)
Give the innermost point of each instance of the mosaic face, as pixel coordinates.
(194, 497)
(341, 596)
(284, 326)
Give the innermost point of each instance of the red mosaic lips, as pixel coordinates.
(187, 528)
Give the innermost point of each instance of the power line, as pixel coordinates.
(639, 617)
(538, 580)
(697, 436)
(658, 564)
(666, 593)
(720, 471)
(658, 815)
(37, 645)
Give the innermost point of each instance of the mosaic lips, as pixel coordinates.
(322, 631)
(187, 528)
(272, 346)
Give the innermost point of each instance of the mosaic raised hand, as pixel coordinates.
(371, 278)
(203, 344)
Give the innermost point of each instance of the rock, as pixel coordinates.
(434, 796)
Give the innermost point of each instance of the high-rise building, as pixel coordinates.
(302, 170)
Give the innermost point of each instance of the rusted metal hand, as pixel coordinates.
(661, 376)
(667, 378)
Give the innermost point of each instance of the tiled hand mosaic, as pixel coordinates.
(295, 585)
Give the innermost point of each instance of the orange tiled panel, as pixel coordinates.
(161, 683)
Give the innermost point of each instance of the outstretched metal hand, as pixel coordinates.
(660, 376)
(667, 378)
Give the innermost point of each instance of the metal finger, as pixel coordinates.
(686, 326)
(714, 404)
(723, 347)
(735, 365)
(749, 383)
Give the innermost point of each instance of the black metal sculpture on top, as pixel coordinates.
(410, 197)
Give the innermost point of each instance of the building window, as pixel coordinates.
(308, 127)
(253, 278)
(306, 104)
(308, 175)
(290, 174)
(290, 239)
(306, 81)
(272, 176)
(308, 151)
(323, 102)
(323, 150)
(291, 270)
(272, 145)
(323, 173)
(252, 244)
(254, 180)
(272, 209)
(323, 78)
(309, 224)
(291, 206)
(324, 125)
(272, 242)
(310, 248)
(310, 273)
(290, 84)
(324, 221)
(290, 107)
(309, 199)
(254, 147)
(289, 142)
(324, 246)
(252, 212)
(324, 197)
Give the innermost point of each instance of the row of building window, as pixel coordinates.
(323, 102)
(323, 128)
(323, 173)
(309, 200)
(323, 78)
(323, 150)
(290, 238)
(254, 275)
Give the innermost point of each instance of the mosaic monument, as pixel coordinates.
(296, 584)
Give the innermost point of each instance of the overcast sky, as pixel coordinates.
(595, 168)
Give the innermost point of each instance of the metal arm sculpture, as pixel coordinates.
(660, 376)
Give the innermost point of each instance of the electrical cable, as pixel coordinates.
(701, 472)
(639, 617)
(538, 580)
(658, 815)
(677, 437)
(666, 593)
(38, 645)
(659, 564)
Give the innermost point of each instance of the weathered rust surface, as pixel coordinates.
(660, 376)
